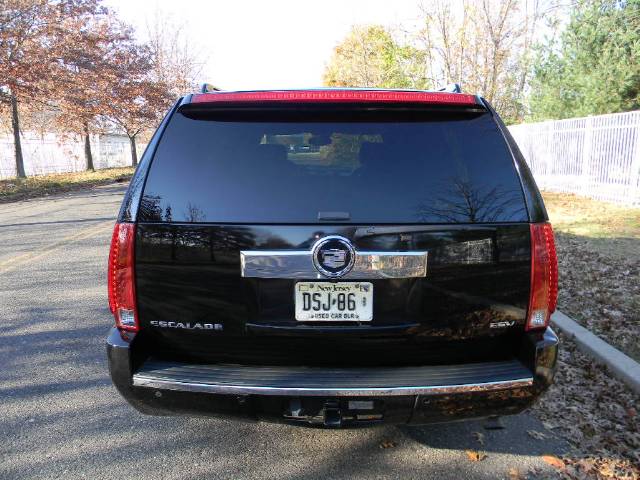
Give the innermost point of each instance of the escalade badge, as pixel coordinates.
(333, 256)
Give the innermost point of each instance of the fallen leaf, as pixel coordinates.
(555, 462)
(475, 456)
(607, 470)
(387, 444)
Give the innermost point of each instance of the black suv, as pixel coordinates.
(334, 258)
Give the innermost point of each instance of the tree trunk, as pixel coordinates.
(134, 153)
(15, 123)
(87, 148)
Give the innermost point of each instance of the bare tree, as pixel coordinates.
(485, 45)
(175, 61)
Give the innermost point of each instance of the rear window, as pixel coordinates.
(453, 169)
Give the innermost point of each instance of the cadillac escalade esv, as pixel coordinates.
(333, 258)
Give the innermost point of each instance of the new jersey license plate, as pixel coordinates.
(334, 302)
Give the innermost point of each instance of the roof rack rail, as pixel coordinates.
(451, 88)
(208, 88)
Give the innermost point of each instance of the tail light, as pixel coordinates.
(122, 292)
(544, 276)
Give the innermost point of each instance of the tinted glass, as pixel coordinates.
(428, 170)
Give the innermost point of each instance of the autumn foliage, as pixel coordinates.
(80, 68)
(485, 45)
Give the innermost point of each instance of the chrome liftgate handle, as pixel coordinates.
(299, 264)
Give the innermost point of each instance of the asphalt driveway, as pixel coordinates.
(60, 417)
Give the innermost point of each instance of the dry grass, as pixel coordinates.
(15, 189)
(606, 226)
(591, 218)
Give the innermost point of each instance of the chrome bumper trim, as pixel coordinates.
(298, 264)
(141, 381)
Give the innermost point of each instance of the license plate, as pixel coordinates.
(334, 302)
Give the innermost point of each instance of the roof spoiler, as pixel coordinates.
(334, 96)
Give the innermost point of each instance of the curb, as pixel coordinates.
(622, 366)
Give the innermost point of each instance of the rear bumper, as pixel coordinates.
(330, 396)
(332, 382)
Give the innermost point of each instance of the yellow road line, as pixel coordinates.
(28, 257)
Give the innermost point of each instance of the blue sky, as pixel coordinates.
(267, 44)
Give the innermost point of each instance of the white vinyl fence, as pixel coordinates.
(50, 153)
(598, 157)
